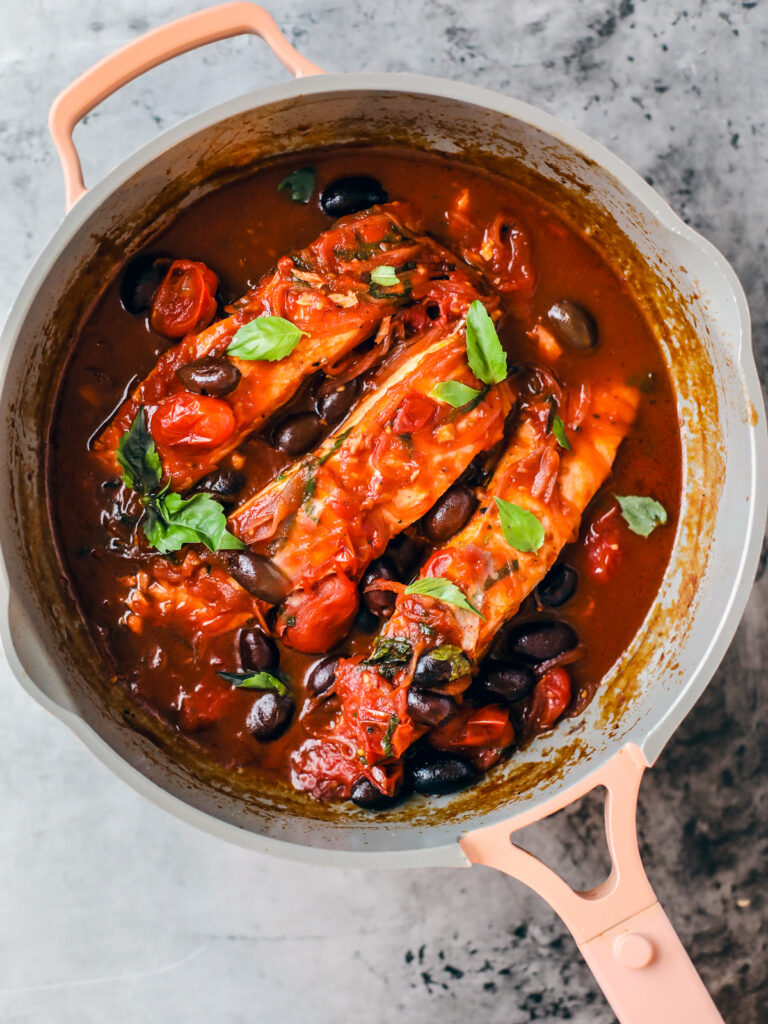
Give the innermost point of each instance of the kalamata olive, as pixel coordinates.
(540, 641)
(350, 195)
(223, 485)
(558, 586)
(333, 401)
(141, 279)
(380, 602)
(368, 796)
(428, 708)
(269, 715)
(431, 672)
(573, 325)
(449, 514)
(299, 433)
(211, 375)
(444, 773)
(510, 682)
(404, 553)
(366, 621)
(322, 677)
(258, 652)
(258, 575)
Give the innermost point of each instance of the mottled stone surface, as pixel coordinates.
(113, 911)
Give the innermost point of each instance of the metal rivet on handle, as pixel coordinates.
(633, 950)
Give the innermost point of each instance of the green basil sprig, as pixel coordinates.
(255, 681)
(454, 393)
(485, 356)
(300, 183)
(558, 429)
(441, 589)
(385, 276)
(641, 514)
(266, 337)
(390, 654)
(521, 528)
(170, 520)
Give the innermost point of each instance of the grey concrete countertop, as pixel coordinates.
(112, 910)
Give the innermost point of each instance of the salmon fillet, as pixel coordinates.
(374, 729)
(326, 291)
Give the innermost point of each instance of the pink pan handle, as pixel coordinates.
(620, 928)
(104, 78)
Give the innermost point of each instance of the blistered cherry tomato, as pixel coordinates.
(192, 423)
(416, 412)
(474, 728)
(551, 697)
(603, 545)
(185, 300)
(314, 621)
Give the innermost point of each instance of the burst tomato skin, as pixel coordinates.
(185, 300)
(416, 412)
(192, 423)
(314, 621)
(551, 698)
(603, 545)
(473, 729)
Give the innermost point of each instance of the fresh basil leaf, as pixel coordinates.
(454, 393)
(385, 276)
(485, 356)
(558, 429)
(386, 740)
(457, 659)
(642, 515)
(255, 681)
(172, 521)
(266, 337)
(300, 183)
(521, 528)
(390, 654)
(138, 457)
(442, 589)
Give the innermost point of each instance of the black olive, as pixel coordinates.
(333, 401)
(269, 715)
(141, 279)
(211, 375)
(440, 774)
(510, 682)
(258, 652)
(432, 672)
(366, 621)
(404, 553)
(223, 484)
(449, 514)
(573, 325)
(380, 602)
(558, 586)
(540, 641)
(350, 195)
(259, 576)
(428, 708)
(322, 677)
(368, 796)
(299, 433)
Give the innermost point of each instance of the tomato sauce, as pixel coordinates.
(240, 232)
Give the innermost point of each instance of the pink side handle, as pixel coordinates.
(621, 930)
(132, 60)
